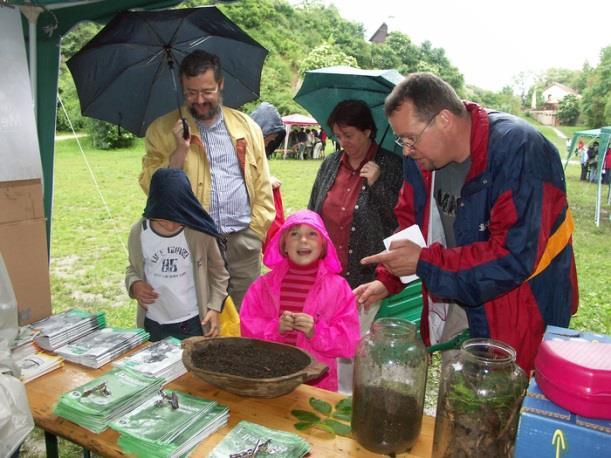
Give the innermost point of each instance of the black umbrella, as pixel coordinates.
(126, 74)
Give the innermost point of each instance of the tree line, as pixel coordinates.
(314, 35)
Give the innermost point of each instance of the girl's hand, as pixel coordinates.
(213, 319)
(275, 182)
(286, 322)
(304, 323)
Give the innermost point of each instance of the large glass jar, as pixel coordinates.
(479, 401)
(388, 392)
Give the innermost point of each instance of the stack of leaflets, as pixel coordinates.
(161, 359)
(102, 346)
(250, 439)
(97, 403)
(33, 366)
(169, 425)
(62, 328)
(24, 343)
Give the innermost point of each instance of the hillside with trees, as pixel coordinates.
(313, 35)
(298, 39)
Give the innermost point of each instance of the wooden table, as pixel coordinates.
(44, 392)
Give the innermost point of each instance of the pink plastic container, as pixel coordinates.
(576, 375)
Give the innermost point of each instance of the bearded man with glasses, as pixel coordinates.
(222, 152)
(490, 199)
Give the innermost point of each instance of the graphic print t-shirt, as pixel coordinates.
(168, 267)
(448, 182)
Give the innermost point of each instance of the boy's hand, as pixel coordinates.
(213, 319)
(143, 293)
(304, 323)
(286, 322)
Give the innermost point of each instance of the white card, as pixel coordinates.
(413, 234)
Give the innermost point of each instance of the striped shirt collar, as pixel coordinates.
(219, 119)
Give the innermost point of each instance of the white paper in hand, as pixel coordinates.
(413, 234)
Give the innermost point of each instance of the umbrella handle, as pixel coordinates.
(185, 129)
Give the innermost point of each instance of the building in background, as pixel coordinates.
(552, 96)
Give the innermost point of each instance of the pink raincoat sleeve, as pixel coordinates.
(337, 332)
(258, 316)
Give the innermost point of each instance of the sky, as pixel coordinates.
(490, 41)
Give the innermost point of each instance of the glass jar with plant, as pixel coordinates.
(478, 406)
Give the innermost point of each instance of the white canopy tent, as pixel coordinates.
(295, 120)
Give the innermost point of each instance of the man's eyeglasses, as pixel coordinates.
(411, 142)
(205, 93)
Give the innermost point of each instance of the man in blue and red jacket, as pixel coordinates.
(489, 195)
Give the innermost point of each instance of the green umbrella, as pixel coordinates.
(324, 88)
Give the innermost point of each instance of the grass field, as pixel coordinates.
(91, 220)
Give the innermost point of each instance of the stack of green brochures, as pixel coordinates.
(95, 404)
(169, 425)
(62, 328)
(102, 346)
(161, 359)
(250, 439)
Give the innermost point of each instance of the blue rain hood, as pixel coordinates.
(170, 197)
(270, 122)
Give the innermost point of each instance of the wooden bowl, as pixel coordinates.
(244, 385)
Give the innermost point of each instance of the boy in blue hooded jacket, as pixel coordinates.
(176, 271)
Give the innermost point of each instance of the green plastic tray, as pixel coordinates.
(406, 305)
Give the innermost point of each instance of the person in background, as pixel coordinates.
(268, 118)
(355, 192)
(223, 155)
(593, 162)
(303, 301)
(309, 144)
(293, 138)
(582, 152)
(495, 214)
(323, 139)
(176, 271)
(607, 167)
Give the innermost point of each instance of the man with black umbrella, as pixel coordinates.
(222, 152)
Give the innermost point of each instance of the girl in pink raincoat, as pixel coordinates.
(304, 301)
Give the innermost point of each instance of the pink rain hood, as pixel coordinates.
(273, 255)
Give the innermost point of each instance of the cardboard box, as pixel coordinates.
(23, 244)
(548, 430)
(20, 200)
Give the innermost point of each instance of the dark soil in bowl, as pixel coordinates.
(246, 359)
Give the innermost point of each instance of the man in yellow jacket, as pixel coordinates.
(223, 155)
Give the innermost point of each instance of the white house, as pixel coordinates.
(556, 92)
